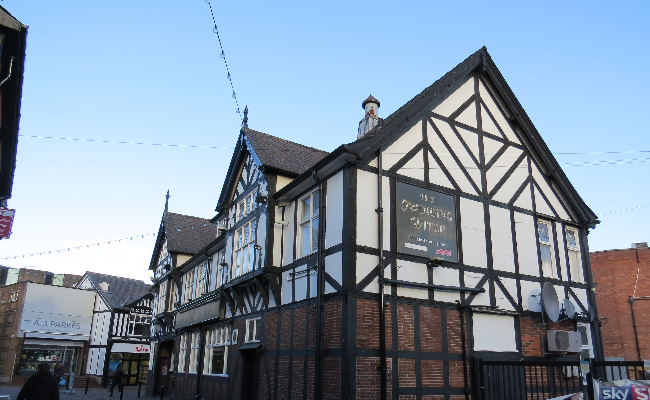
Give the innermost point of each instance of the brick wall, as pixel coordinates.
(615, 272)
(368, 324)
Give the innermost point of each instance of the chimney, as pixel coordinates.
(370, 105)
(640, 245)
(103, 286)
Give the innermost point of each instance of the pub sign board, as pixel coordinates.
(6, 221)
(426, 222)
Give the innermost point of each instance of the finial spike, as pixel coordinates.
(244, 123)
(167, 201)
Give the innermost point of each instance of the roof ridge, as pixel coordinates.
(188, 216)
(115, 276)
(284, 140)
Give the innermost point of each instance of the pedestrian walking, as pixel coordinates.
(118, 375)
(40, 386)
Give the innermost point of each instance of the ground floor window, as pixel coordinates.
(216, 351)
(33, 354)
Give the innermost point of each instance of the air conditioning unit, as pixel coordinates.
(564, 341)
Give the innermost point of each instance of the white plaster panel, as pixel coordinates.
(445, 157)
(365, 264)
(490, 148)
(525, 199)
(287, 289)
(374, 163)
(503, 257)
(401, 146)
(471, 280)
(289, 234)
(487, 124)
(456, 99)
(471, 140)
(494, 333)
(468, 116)
(446, 277)
(385, 198)
(412, 272)
(581, 294)
(556, 203)
(501, 299)
(527, 287)
(561, 251)
(334, 210)
(271, 300)
(366, 205)
(473, 228)
(526, 244)
(541, 206)
(262, 226)
(228, 248)
(281, 181)
(277, 238)
(514, 181)
(511, 287)
(414, 168)
(436, 176)
(334, 266)
(498, 116)
(458, 149)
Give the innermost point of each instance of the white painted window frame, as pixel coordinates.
(216, 337)
(194, 351)
(244, 255)
(189, 283)
(13, 296)
(202, 279)
(251, 336)
(307, 221)
(182, 353)
(574, 256)
(544, 244)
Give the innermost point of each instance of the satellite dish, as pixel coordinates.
(534, 303)
(569, 308)
(550, 302)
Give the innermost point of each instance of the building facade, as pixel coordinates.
(444, 234)
(623, 297)
(42, 323)
(120, 327)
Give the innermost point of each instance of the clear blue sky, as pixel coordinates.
(150, 71)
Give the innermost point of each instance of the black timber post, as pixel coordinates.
(320, 285)
(109, 344)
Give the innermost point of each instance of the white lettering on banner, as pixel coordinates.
(52, 325)
(130, 348)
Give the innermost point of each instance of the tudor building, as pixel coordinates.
(388, 266)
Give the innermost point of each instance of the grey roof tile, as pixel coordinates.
(121, 291)
(187, 234)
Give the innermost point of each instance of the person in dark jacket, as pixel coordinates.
(117, 379)
(40, 386)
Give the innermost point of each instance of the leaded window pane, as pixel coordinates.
(314, 235)
(217, 361)
(258, 329)
(547, 261)
(304, 240)
(246, 238)
(543, 232)
(316, 203)
(305, 209)
(248, 205)
(571, 238)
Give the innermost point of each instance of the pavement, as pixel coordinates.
(130, 392)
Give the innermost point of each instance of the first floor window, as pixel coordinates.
(253, 330)
(308, 210)
(182, 353)
(189, 285)
(245, 248)
(202, 284)
(573, 252)
(13, 296)
(546, 252)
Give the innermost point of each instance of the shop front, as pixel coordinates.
(65, 353)
(134, 359)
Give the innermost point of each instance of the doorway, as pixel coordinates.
(251, 373)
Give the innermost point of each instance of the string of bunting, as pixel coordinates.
(223, 55)
(120, 142)
(41, 253)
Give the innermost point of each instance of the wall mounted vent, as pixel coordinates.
(564, 341)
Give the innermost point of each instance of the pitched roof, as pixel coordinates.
(186, 234)
(366, 146)
(283, 155)
(121, 291)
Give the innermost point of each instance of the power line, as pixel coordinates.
(122, 142)
(223, 55)
(47, 252)
(624, 209)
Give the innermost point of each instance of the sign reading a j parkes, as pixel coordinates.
(6, 221)
(426, 222)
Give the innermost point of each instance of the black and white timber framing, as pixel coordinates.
(307, 241)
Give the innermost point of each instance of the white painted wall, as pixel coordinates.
(473, 228)
(334, 210)
(494, 333)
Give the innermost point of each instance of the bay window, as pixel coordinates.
(216, 350)
(245, 238)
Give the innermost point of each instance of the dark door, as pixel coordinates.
(250, 379)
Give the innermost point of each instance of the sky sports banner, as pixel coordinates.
(622, 390)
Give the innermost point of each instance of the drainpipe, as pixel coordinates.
(383, 368)
(320, 285)
(461, 311)
(631, 300)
